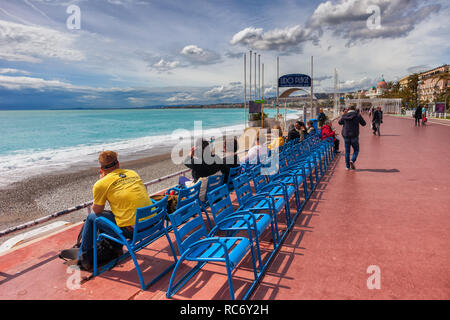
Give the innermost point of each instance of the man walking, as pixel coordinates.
(377, 121)
(351, 121)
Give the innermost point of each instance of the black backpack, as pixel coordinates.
(107, 250)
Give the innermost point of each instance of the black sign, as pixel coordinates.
(254, 107)
(294, 80)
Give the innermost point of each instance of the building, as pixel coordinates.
(403, 82)
(379, 90)
(431, 83)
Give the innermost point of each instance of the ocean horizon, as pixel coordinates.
(45, 141)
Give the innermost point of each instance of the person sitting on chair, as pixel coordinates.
(124, 191)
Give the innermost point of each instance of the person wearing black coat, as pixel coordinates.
(351, 120)
(418, 115)
(377, 120)
(293, 131)
(202, 161)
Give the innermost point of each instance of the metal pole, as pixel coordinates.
(262, 98)
(313, 113)
(259, 76)
(250, 74)
(262, 87)
(245, 90)
(278, 88)
(255, 78)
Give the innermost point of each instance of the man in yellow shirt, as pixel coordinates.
(124, 191)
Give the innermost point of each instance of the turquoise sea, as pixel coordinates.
(41, 141)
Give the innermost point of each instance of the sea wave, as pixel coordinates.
(21, 164)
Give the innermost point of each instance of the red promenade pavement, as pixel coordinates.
(392, 212)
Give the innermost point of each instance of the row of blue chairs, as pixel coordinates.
(263, 192)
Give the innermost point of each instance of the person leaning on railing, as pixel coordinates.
(124, 191)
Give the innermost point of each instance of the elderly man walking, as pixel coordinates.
(351, 121)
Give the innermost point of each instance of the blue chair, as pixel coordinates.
(277, 189)
(259, 202)
(149, 226)
(222, 208)
(188, 195)
(234, 172)
(195, 244)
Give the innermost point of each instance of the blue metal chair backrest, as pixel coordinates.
(220, 203)
(149, 221)
(188, 225)
(283, 163)
(188, 195)
(256, 171)
(214, 182)
(234, 172)
(259, 181)
(242, 188)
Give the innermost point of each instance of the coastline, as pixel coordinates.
(49, 192)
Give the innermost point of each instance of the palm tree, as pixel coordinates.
(445, 77)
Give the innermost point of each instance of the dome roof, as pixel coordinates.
(382, 84)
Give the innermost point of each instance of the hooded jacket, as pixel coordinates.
(351, 121)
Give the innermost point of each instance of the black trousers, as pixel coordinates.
(418, 120)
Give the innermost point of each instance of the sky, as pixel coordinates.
(135, 53)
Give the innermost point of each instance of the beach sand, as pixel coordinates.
(46, 194)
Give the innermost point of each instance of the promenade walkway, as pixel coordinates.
(391, 212)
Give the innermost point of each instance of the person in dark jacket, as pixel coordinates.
(321, 118)
(351, 120)
(293, 131)
(377, 120)
(418, 115)
(202, 161)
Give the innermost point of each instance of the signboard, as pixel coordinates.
(440, 107)
(254, 107)
(294, 80)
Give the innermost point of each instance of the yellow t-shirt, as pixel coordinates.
(277, 142)
(125, 191)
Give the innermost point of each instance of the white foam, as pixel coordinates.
(27, 163)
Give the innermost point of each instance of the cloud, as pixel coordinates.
(20, 83)
(181, 97)
(12, 71)
(287, 40)
(34, 43)
(198, 56)
(164, 65)
(234, 90)
(354, 85)
(418, 69)
(349, 18)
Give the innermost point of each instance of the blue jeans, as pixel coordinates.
(87, 240)
(354, 143)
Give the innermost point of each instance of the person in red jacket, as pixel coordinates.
(328, 132)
